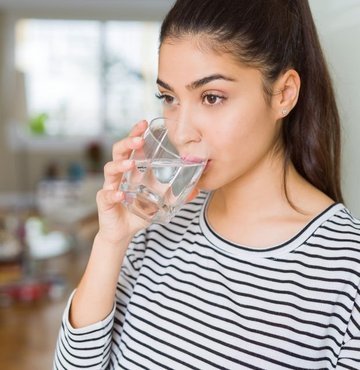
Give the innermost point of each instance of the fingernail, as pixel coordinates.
(140, 123)
(137, 140)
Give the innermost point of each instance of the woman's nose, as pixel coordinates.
(185, 130)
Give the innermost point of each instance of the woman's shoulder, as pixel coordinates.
(341, 231)
(344, 219)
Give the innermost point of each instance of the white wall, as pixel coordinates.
(338, 24)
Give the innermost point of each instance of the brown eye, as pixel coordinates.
(166, 99)
(211, 99)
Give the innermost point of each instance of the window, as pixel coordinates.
(86, 78)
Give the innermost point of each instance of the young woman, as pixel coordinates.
(262, 269)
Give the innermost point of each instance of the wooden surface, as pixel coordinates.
(28, 331)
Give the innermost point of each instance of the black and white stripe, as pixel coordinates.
(188, 299)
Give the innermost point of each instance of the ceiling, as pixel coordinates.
(12, 4)
(85, 5)
(330, 14)
(137, 9)
(326, 5)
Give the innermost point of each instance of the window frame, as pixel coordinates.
(17, 138)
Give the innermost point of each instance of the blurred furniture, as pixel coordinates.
(28, 330)
(35, 283)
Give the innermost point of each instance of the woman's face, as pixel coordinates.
(217, 103)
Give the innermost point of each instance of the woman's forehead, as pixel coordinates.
(182, 59)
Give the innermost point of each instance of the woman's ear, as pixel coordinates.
(286, 93)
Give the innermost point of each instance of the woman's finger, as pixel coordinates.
(113, 172)
(107, 199)
(123, 148)
(139, 128)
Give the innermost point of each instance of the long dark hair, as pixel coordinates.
(274, 36)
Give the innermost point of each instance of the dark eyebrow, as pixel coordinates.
(203, 81)
(198, 83)
(164, 85)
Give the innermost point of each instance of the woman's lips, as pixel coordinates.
(190, 159)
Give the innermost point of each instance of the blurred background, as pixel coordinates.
(75, 75)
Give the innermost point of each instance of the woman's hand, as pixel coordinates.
(94, 297)
(116, 223)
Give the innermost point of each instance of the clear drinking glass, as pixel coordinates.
(162, 179)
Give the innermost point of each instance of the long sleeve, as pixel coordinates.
(90, 347)
(350, 352)
(83, 348)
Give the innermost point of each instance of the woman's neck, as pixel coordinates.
(255, 211)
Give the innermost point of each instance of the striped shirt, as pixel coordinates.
(188, 299)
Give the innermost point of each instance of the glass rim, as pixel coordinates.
(159, 142)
